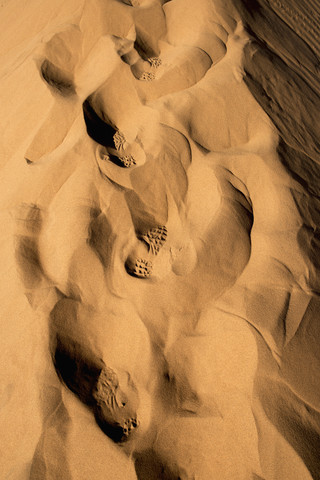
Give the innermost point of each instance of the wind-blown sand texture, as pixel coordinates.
(160, 245)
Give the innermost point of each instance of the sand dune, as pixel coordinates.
(159, 192)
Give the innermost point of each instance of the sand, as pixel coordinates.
(159, 209)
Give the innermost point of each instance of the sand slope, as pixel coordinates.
(159, 252)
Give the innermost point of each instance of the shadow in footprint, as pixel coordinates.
(149, 466)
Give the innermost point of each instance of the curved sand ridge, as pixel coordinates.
(158, 246)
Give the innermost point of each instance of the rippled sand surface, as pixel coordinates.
(160, 213)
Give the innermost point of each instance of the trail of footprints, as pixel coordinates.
(115, 409)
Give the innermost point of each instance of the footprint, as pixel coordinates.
(119, 140)
(155, 238)
(117, 401)
(140, 262)
(155, 61)
(121, 405)
(147, 76)
(139, 267)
